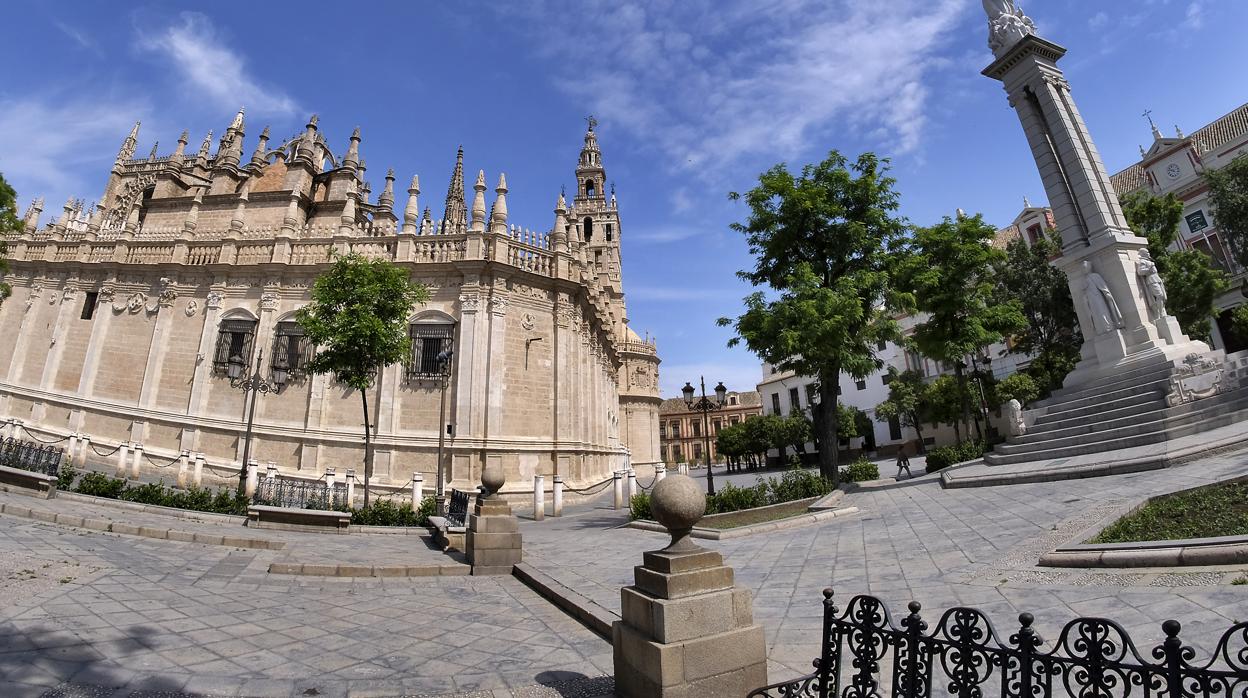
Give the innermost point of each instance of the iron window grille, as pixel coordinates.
(292, 350)
(428, 341)
(235, 338)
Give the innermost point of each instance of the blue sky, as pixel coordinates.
(694, 98)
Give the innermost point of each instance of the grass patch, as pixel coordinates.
(1205, 512)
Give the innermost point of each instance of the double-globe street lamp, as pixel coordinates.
(706, 406)
(255, 385)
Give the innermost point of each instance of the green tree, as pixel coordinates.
(905, 403)
(945, 399)
(1193, 281)
(794, 430)
(949, 272)
(9, 223)
(823, 240)
(731, 443)
(761, 435)
(1052, 334)
(1019, 386)
(1228, 199)
(1239, 323)
(357, 321)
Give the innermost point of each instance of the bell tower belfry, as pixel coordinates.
(594, 216)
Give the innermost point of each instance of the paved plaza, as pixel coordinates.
(125, 615)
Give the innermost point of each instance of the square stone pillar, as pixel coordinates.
(493, 542)
(686, 630)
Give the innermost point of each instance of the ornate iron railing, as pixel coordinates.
(457, 513)
(28, 456)
(300, 494)
(865, 654)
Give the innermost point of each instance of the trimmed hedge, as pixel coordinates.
(792, 485)
(942, 457)
(860, 470)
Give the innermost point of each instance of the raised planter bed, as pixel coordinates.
(26, 482)
(261, 516)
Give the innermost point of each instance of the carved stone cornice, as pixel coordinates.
(214, 300)
(269, 301)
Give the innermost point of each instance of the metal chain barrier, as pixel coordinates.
(32, 435)
(653, 482)
(149, 459)
(593, 489)
(104, 455)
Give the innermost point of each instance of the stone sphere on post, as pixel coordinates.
(678, 503)
(492, 478)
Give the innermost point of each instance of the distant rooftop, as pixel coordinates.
(1217, 134)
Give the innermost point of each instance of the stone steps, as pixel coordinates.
(1109, 394)
(1132, 404)
(1148, 374)
(1104, 424)
(1177, 421)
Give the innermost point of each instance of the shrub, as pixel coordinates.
(385, 512)
(151, 493)
(1017, 386)
(860, 470)
(733, 498)
(942, 457)
(65, 477)
(99, 485)
(796, 484)
(639, 506)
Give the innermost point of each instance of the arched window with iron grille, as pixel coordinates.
(292, 350)
(429, 339)
(234, 341)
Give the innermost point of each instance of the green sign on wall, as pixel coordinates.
(1196, 221)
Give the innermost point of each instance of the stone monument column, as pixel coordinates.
(686, 630)
(493, 543)
(1100, 254)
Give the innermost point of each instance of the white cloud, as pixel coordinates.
(664, 234)
(713, 82)
(1194, 18)
(214, 69)
(58, 148)
(1099, 20)
(79, 36)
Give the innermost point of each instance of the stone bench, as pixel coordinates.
(262, 516)
(26, 482)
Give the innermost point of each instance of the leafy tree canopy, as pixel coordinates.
(9, 223)
(1228, 198)
(823, 240)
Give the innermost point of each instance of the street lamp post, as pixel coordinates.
(444, 368)
(706, 406)
(255, 385)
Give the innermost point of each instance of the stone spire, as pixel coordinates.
(386, 200)
(129, 145)
(352, 158)
(559, 235)
(426, 223)
(590, 176)
(237, 124)
(411, 212)
(456, 216)
(262, 148)
(31, 219)
(365, 187)
(230, 150)
(498, 215)
(478, 204)
(180, 151)
(204, 148)
(151, 157)
(1026, 201)
(1178, 131)
(309, 139)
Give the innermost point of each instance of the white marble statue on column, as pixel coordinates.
(1101, 304)
(1150, 282)
(1007, 24)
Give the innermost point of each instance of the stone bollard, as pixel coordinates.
(197, 477)
(632, 486)
(84, 444)
(123, 458)
(183, 464)
(253, 478)
(539, 497)
(136, 461)
(351, 487)
(557, 497)
(492, 544)
(617, 487)
(418, 491)
(660, 472)
(73, 445)
(685, 630)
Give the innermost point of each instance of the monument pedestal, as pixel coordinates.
(686, 630)
(493, 543)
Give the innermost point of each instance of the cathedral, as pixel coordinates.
(128, 319)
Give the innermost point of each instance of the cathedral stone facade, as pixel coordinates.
(125, 317)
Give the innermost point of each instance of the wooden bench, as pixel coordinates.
(27, 482)
(451, 531)
(262, 516)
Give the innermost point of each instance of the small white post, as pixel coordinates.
(253, 474)
(617, 483)
(558, 496)
(632, 485)
(136, 462)
(123, 456)
(197, 478)
(73, 445)
(539, 497)
(183, 464)
(418, 490)
(660, 472)
(84, 442)
(351, 487)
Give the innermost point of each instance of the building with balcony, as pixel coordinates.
(681, 431)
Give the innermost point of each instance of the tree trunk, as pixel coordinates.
(963, 398)
(828, 456)
(368, 447)
(919, 430)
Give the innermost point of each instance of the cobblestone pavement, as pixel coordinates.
(87, 613)
(914, 540)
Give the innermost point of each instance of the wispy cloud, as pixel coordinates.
(59, 148)
(79, 36)
(665, 234)
(214, 69)
(678, 293)
(1194, 17)
(712, 82)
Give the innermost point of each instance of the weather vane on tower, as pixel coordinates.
(591, 121)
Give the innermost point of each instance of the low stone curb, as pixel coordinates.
(729, 533)
(323, 570)
(1120, 467)
(1223, 550)
(590, 614)
(106, 526)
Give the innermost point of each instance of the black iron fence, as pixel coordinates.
(865, 654)
(300, 494)
(28, 456)
(457, 513)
